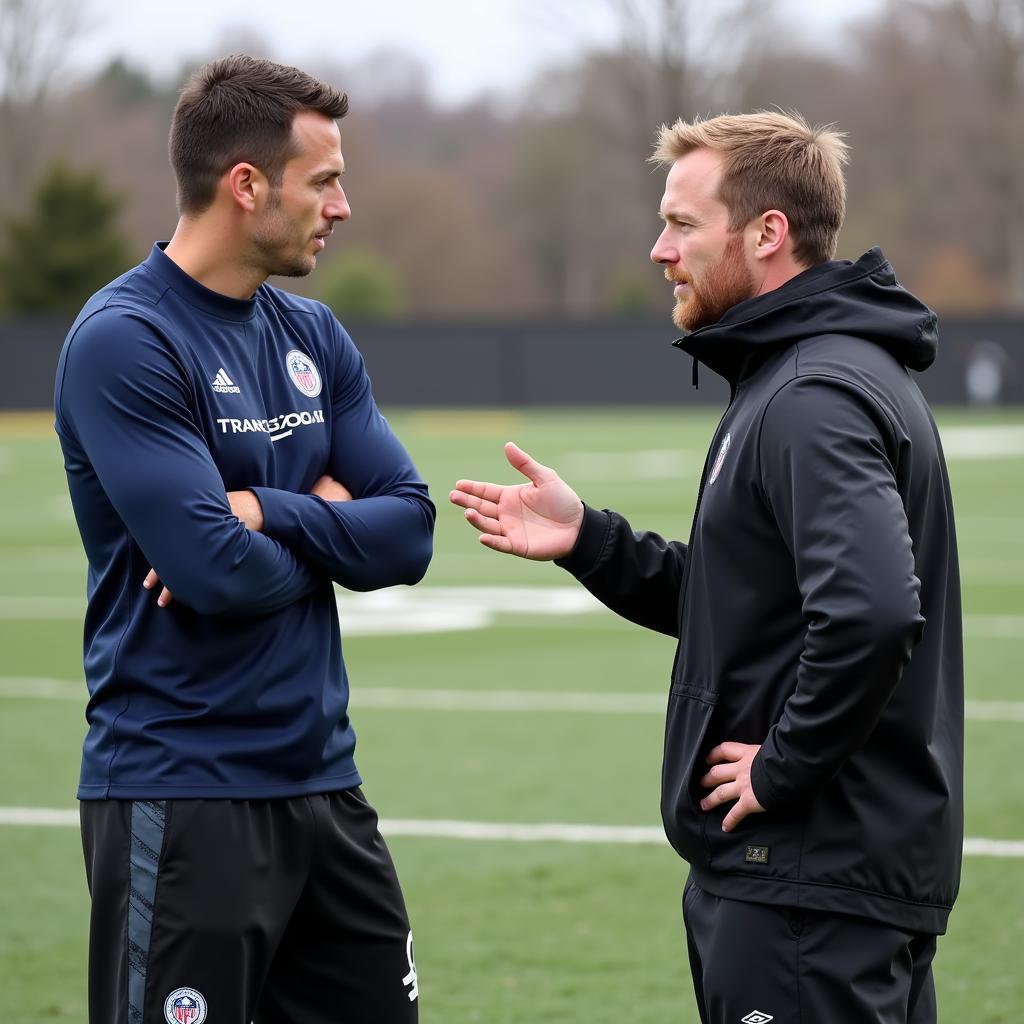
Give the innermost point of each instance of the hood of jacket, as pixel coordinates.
(861, 298)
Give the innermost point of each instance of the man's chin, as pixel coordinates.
(297, 269)
(681, 316)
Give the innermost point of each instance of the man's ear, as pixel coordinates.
(247, 186)
(771, 230)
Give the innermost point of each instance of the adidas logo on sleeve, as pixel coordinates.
(223, 384)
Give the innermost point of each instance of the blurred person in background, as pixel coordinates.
(228, 465)
(813, 766)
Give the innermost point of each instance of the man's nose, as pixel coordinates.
(338, 208)
(663, 252)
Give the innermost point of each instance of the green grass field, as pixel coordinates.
(544, 712)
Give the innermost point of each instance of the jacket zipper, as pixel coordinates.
(696, 512)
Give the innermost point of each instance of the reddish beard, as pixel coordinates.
(725, 284)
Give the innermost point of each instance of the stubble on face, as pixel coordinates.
(276, 243)
(725, 284)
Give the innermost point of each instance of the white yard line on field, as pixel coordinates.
(386, 698)
(978, 571)
(982, 442)
(501, 831)
(1009, 626)
(408, 610)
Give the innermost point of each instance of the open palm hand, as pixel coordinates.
(538, 520)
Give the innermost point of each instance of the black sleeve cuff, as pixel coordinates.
(764, 792)
(590, 543)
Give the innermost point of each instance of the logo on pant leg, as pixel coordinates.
(756, 1017)
(185, 1006)
(410, 978)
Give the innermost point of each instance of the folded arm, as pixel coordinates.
(125, 400)
(384, 535)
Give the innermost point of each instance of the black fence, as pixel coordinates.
(556, 363)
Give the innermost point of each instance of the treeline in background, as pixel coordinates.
(542, 203)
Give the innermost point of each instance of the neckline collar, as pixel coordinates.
(217, 304)
(730, 351)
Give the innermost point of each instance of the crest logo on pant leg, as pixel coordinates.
(185, 1006)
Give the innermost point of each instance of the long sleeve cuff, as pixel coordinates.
(590, 543)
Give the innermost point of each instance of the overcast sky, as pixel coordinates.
(468, 45)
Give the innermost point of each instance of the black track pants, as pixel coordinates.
(238, 911)
(753, 963)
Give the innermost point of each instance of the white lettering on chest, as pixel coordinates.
(286, 422)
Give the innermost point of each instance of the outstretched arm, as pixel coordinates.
(637, 575)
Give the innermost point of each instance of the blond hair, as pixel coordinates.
(772, 161)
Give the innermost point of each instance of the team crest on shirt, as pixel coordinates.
(303, 373)
(720, 458)
(185, 1006)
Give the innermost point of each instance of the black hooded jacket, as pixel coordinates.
(817, 606)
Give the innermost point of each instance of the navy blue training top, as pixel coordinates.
(168, 395)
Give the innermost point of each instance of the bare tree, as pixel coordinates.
(594, 199)
(992, 32)
(937, 119)
(35, 39)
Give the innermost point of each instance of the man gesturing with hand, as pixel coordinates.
(539, 520)
(813, 772)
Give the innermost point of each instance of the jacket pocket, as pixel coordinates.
(686, 725)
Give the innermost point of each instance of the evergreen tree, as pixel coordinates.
(65, 248)
(359, 284)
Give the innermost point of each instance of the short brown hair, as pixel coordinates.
(240, 108)
(772, 161)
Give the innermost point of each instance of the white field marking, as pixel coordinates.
(444, 609)
(1011, 626)
(398, 610)
(994, 710)
(992, 571)
(385, 698)
(993, 847)
(71, 559)
(647, 835)
(37, 816)
(668, 463)
(653, 464)
(40, 688)
(982, 442)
